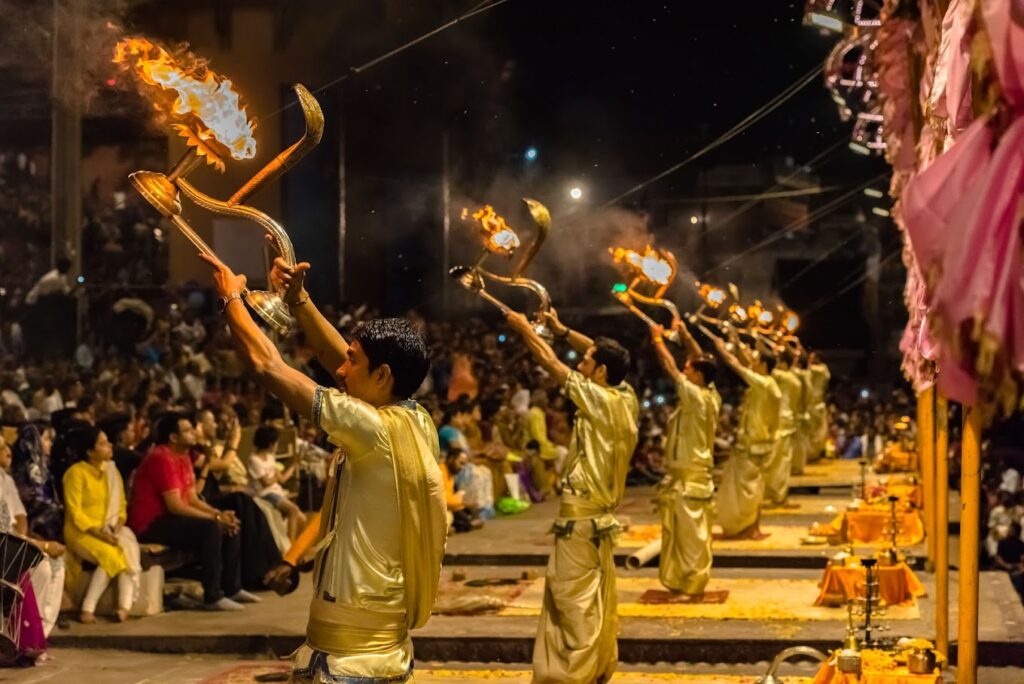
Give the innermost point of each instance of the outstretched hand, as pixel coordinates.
(290, 279)
(226, 281)
(551, 319)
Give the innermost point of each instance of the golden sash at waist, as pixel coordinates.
(346, 631)
(577, 508)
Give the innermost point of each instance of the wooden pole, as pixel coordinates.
(926, 459)
(970, 522)
(942, 524)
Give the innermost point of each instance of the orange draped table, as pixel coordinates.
(896, 584)
(869, 524)
(895, 459)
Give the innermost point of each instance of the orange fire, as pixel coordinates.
(499, 238)
(205, 108)
(712, 296)
(790, 321)
(650, 264)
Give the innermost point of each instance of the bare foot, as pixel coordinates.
(122, 615)
(86, 618)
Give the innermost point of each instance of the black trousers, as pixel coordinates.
(258, 548)
(219, 554)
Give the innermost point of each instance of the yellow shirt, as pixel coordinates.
(86, 497)
(690, 441)
(759, 413)
(537, 429)
(801, 410)
(361, 566)
(603, 439)
(820, 376)
(792, 399)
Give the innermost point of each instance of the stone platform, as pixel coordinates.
(524, 539)
(277, 626)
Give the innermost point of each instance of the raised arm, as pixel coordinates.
(255, 348)
(330, 347)
(540, 349)
(727, 356)
(577, 340)
(687, 340)
(665, 357)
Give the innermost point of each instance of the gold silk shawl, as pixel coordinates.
(421, 503)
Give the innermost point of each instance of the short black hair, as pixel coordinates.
(533, 445)
(614, 357)
(265, 437)
(707, 366)
(397, 343)
(81, 440)
(63, 264)
(786, 357)
(166, 426)
(768, 358)
(115, 426)
(272, 410)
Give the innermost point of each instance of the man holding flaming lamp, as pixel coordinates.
(383, 529)
(787, 442)
(741, 492)
(576, 638)
(685, 495)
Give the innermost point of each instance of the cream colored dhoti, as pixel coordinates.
(685, 563)
(742, 490)
(781, 464)
(576, 636)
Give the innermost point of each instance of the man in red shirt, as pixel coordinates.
(165, 509)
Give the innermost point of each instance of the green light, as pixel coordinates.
(619, 287)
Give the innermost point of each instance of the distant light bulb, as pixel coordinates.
(647, 403)
(530, 154)
(694, 220)
(572, 355)
(81, 279)
(502, 338)
(576, 193)
(864, 394)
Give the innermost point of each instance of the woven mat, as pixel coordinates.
(656, 597)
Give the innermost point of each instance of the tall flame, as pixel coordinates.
(206, 108)
(499, 238)
(650, 264)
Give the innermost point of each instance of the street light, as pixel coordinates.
(694, 220)
(576, 193)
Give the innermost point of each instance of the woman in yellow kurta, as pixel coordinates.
(94, 522)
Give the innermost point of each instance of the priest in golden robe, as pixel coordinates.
(788, 445)
(382, 533)
(738, 506)
(576, 638)
(805, 428)
(685, 495)
(816, 406)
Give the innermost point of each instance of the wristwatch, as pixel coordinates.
(224, 301)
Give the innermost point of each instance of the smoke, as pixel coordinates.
(86, 33)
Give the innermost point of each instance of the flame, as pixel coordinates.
(739, 313)
(204, 105)
(790, 321)
(713, 296)
(650, 264)
(500, 238)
